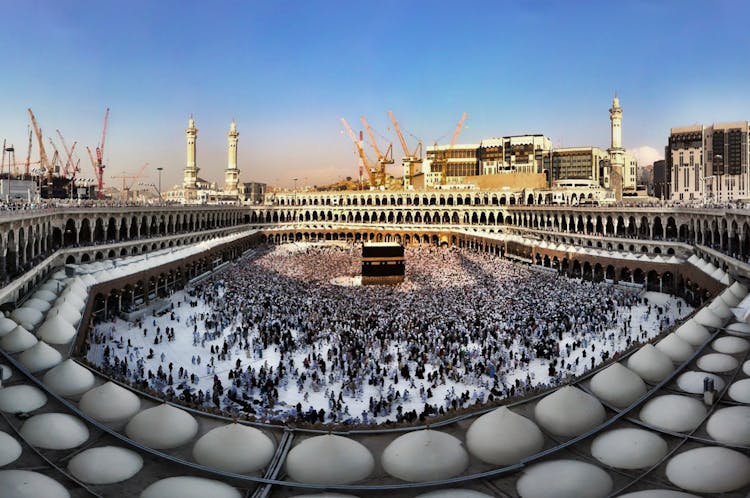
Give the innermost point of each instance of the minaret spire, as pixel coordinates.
(190, 175)
(232, 173)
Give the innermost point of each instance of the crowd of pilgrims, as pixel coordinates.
(275, 340)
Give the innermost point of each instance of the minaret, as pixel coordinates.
(232, 174)
(616, 152)
(190, 175)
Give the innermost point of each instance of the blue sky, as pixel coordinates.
(287, 71)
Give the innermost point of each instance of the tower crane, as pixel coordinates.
(28, 156)
(410, 159)
(125, 192)
(42, 153)
(361, 151)
(93, 164)
(99, 168)
(69, 171)
(446, 153)
(56, 157)
(383, 159)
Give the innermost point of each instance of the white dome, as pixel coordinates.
(10, 450)
(502, 437)
(5, 372)
(27, 315)
(564, 478)
(76, 284)
(67, 312)
(162, 427)
(693, 332)
(38, 304)
(708, 318)
(21, 399)
(628, 448)
(454, 493)
(234, 448)
(676, 348)
(709, 469)
(28, 484)
(6, 325)
(746, 368)
(425, 455)
(718, 274)
(729, 299)
(329, 459)
(40, 356)
(110, 403)
(54, 431)
(740, 391)
(617, 385)
(88, 279)
(739, 328)
(69, 379)
(189, 487)
(730, 345)
(717, 362)
(730, 425)
(52, 286)
(650, 364)
(45, 295)
(738, 290)
(693, 259)
(720, 308)
(673, 412)
(658, 493)
(71, 300)
(105, 465)
(18, 340)
(56, 330)
(569, 412)
(692, 382)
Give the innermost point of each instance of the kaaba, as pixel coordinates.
(382, 263)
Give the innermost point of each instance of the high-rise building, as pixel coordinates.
(574, 163)
(659, 179)
(709, 162)
(512, 154)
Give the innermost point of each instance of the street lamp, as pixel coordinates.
(159, 169)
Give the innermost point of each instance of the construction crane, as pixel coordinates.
(410, 159)
(383, 159)
(371, 170)
(42, 153)
(445, 155)
(99, 158)
(27, 164)
(56, 157)
(125, 192)
(69, 170)
(93, 164)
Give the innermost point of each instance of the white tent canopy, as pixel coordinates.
(162, 427)
(425, 455)
(69, 379)
(329, 459)
(234, 448)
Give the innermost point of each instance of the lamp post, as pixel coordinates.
(159, 169)
(295, 198)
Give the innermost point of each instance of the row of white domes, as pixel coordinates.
(567, 412)
(709, 269)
